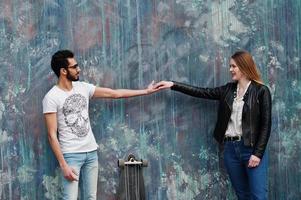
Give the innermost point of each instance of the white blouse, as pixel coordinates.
(234, 125)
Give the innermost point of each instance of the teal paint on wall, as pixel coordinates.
(126, 44)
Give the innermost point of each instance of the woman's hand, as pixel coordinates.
(253, 161)
(164, 84)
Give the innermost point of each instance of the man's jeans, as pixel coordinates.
(249, 183)
(86, 165)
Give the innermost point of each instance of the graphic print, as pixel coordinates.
(75, 112)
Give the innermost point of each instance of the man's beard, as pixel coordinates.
(71, 78)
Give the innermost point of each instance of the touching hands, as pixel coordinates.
(154, 87)
(164, 84)
(151, 88)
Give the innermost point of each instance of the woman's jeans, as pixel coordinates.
(248, 183)
(86, 165)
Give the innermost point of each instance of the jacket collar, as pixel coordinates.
(232, 93)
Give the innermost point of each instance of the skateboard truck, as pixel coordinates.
(132, 161)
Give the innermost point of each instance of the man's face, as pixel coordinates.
(72, 70)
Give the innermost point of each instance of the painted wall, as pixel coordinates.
(126, 44)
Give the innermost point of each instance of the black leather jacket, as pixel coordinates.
(256, 114)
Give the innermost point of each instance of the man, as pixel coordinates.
(65, 108)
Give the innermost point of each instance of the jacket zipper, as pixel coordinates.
(251, 124)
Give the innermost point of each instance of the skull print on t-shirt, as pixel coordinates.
(74, 110)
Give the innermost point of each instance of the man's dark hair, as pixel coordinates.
(59, 60)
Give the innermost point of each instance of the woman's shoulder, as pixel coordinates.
(232, 84)
(261, 87)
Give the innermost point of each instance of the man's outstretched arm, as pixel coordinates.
(101, 92)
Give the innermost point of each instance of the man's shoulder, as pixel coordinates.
(80, 83)
(83, 86)
(51, 93)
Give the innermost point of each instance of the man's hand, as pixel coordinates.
(253, 161)
(164, 84)
(151, 88)
(69, 173)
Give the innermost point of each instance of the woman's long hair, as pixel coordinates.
(247, 66)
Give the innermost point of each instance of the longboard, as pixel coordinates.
(131, 182)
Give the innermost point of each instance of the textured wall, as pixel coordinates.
(128, 43)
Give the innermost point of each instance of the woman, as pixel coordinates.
(243, 125)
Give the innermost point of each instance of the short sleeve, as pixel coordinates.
(90, 88)
(49, 105)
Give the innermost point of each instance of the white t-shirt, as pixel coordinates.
(72, 108)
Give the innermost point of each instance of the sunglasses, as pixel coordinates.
(73, 66)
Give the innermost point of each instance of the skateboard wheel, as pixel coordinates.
(120, 163)
(144, 163)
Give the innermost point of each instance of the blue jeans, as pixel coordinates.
(248, 183)
(86, 165)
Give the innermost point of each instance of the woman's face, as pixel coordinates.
(235, 71)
